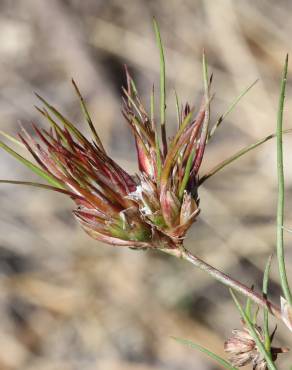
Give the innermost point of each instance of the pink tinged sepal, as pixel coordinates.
(125, 230)
(189, 209)
(170, 206)
(114, 241)
(144, 159)
(110, 231)
(188, 214)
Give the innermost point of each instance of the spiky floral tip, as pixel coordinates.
(242, 349)
(154, 208)
(99, 186)
(167, 193)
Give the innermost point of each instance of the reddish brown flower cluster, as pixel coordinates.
(152, 209)
(167, 193)
(98, 185)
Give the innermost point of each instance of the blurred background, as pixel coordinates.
(68, 302)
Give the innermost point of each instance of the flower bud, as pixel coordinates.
(242, 349)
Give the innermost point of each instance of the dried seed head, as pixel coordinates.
(242, 349)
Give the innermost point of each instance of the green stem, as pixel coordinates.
(225, 279)
(281, 191)
(266, 313)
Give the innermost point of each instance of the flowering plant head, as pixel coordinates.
(167, 190)
(154, 208)
(242, 349)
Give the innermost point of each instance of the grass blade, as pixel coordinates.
(87, 116)
(205, 76)
(215, 357)
(186, 174)
(64, 121)
(152, 106)
(39, 185)
(178, 113)
(154, 127)
(37, 170)
(266, 312)
(162, 86)
(237, 155)
(281, 190)
(230, 108)
(12, 139)
(205, 127)
(248, 306)
(254, 334)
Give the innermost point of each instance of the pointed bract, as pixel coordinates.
(167, 195)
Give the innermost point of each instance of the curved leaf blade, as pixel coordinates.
(37, 170)
(209, 353)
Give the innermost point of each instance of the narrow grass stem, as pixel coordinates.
(266, 313)
(162, 87)
(226, 280)
(281, 191)
(237, 155)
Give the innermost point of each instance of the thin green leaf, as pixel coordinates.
(87, 116)
(205, 74)
(38, 185)
(178, 114)
(53, 123)
(186, 174)
(154, 127)
(281, 190)
(255, 315)
(134, 87)
(215, 357)
(205, 127)
(183, 125)
(158, 157)
(254, 334)
(12, 139)
(266, 312)
(230, 109)
(152, 106)
(143, 131)
(172, 153)
(64, 120)
(162, 86)
(37, 170)
(266, 275)
(133, 103)
(248, 306)
(237, 155)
